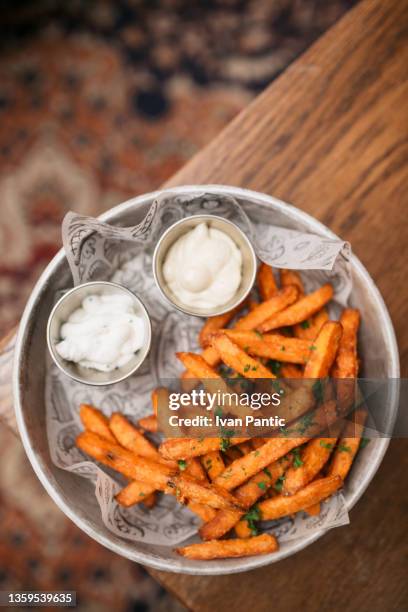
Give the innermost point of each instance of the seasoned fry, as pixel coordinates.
(323, 351)
(94, 420)
(131, 438)
(291, 277)
(243, 530)
(237, 359)
(134, 493)
(160, 396)
(149, 423)
(289, 370)
(266, 281)
(282, 505)
(157, 475)
(127, 463)
(349, 443)
(195, 469)
(265, 310)
(243, 468)
(213, 464)
(188, 489)
(184, 448)
(271, 346)
(213, 324)
(346, 364)
(259, 545)
(300, 311)
(312, 458)
(308, 330)
(206, 513)
(313, 510)
(197, 366)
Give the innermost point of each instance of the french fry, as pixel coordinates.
(160, 396)
(300, 311)
(237, 359)
(323, 351)
(266, 281)
(198, 366)
(150, 501)
(308, 330)
(184, 448)
(312, 458)
(157, 475)
(94, 420)
(149, 423)
(349, 443)
(188, 489)
(213, 324)
(213, 464)
(134, 493)
(242, 529)
(216, 549)
(271, 346)
(280, 301)
(124, 461)
(313, 510)
(289, 370)
(257, 442)
(131, 438)
(195, 469)
(243, 468)
(282, 505)
(346, 364)
(291, 277)
(206, 513)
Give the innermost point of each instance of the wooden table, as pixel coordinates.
(330, 136)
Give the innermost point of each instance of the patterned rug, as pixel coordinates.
(101, 101)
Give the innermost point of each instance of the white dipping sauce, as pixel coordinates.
(203, 267)
(103, 334)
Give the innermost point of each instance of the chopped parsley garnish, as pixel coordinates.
(342, 448)
(305, 324)
(364, 442)
(247, 367)
(262, 485)
(279, 483)
(274, 366)
(225, 443)
(267, 472)
(304, 423)
(258, 333)
(283, 348)
(253, 515)
(318, 390)
(254, 368)
(312, 347)
(218, 412)
(327, 445)
(182, 464)
(297, 461)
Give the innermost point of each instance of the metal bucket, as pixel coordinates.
(75, 496)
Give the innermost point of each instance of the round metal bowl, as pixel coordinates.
(75, 496)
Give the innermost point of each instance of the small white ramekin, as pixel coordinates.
(72, 300)
(249, 262)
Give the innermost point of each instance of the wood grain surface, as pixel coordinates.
(330, 136)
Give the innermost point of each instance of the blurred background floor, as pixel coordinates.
(101, 101)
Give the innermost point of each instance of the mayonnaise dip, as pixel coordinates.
(104, 333)
(203, 267)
